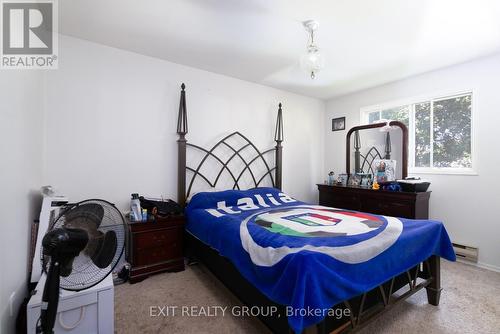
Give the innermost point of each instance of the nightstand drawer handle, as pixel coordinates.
(160, 237)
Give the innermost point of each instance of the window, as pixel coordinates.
(440, 132)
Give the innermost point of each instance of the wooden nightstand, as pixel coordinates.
(155, 247)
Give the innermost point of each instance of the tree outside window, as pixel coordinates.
(441, 131)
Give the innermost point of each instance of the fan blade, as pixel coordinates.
(105, 250)
(85, 214)
(67, 267)
(96, 238)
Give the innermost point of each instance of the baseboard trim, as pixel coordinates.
(480, 265)
(488, 266)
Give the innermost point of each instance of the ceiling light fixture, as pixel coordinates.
(312, 61)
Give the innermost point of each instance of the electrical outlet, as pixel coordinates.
(12, 298)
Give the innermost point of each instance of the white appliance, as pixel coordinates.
(89, 311)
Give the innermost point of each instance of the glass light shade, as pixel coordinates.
(312, 61)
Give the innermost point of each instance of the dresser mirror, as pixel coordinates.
(368, 144)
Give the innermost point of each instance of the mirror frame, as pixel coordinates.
(374, 126)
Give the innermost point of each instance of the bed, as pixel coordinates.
(301, 267)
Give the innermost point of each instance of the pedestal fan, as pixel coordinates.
(81, 248)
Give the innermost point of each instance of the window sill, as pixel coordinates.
(443, 171)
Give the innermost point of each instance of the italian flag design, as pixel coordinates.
(317, 222)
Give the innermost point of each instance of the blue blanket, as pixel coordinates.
(309, 257)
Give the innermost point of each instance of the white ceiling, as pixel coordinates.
(365, 42)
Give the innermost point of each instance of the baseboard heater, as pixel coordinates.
(467, 253)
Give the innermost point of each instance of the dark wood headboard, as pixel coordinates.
(183, 169)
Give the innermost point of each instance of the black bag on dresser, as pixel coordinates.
(160, 208)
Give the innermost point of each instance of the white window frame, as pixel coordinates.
(363, 116)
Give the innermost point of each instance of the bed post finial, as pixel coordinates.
(182, 129)
(278, 134)
(278, 137)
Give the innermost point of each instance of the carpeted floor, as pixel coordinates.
(470, 303)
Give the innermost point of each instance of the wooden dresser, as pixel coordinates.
(155, 246)
(397, 204)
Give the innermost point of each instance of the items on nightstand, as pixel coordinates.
(143, 209)
(155, 246)
(159, 207)
(135, 208)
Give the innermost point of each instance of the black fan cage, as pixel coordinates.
(85, 273)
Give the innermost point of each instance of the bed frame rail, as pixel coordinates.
(362, 315)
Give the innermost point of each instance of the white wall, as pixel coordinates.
(466, 204)
(103, 126)
(112, 115)
(21, 137)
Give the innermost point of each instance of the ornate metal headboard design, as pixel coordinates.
(366, 165)
(182, 168)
